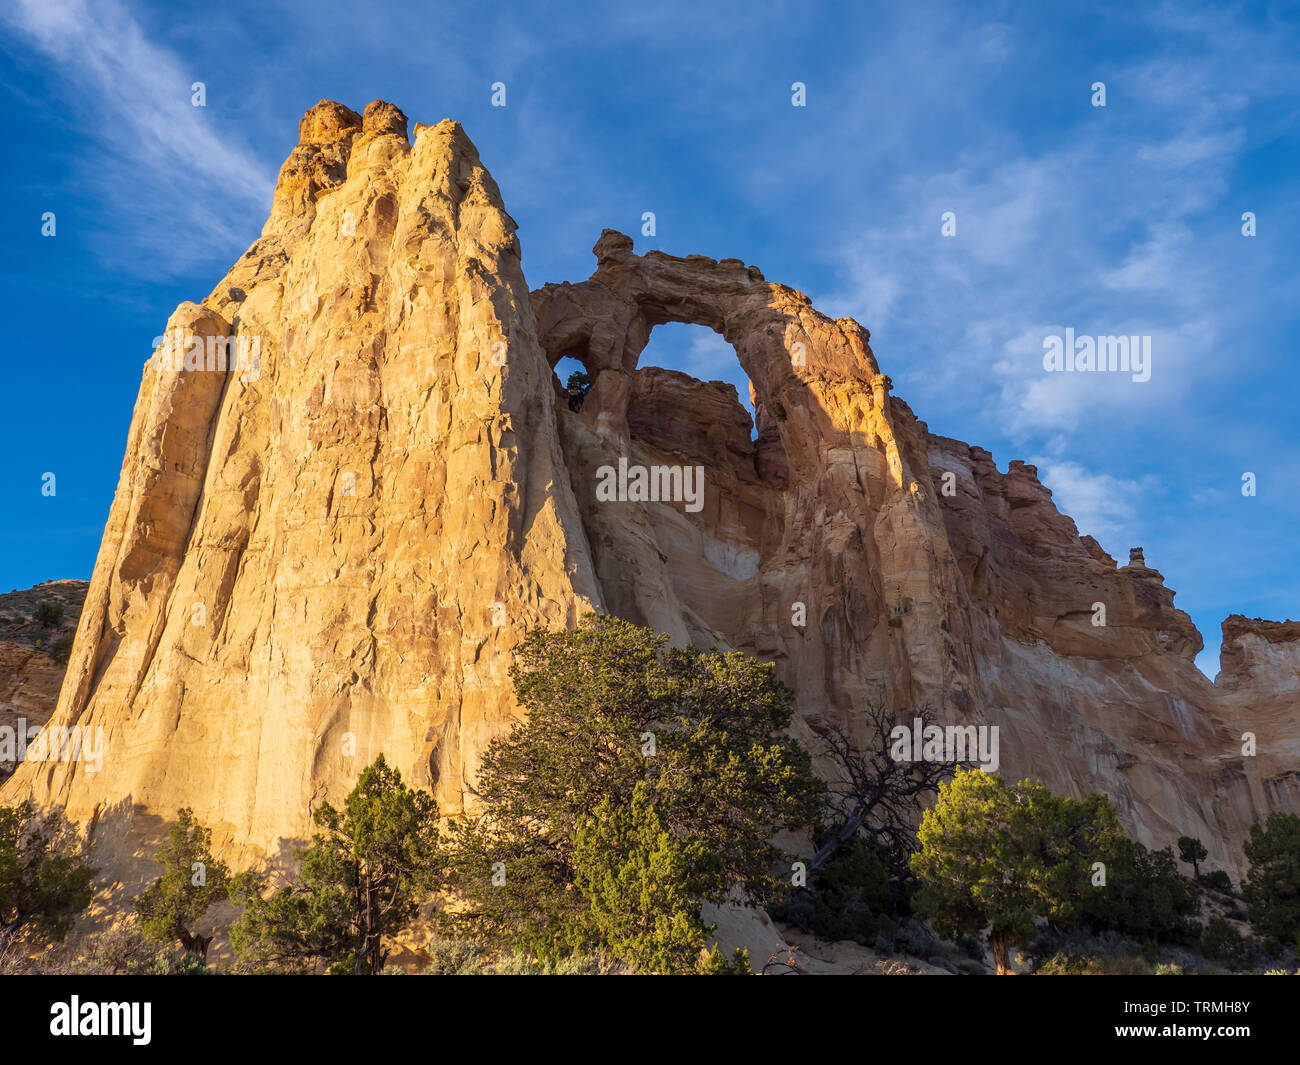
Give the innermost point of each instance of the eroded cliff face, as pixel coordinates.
(332, 552)
(922, 574)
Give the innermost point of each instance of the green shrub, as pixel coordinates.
(1011, 855)
(128, 951)
(1218, 880)
(192, 881)
(848, 898)
(1145, 896)
(1193, 852)
(645, 781)
(360, 883)
(48, 614)
(456, 957)
(1272, 887)
(1222, 943)
(1090, 965)
(461, 957)
(45, 883)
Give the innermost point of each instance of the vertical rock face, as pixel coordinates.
(312, 561)
(331, 551)
(923, 576)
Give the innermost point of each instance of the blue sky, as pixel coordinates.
(1117, 220)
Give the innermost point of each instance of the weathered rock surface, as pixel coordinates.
(33, 657)
(333, 555)
(328, 557)
(924, 573)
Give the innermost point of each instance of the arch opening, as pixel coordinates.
(572, 379)
(700, 353)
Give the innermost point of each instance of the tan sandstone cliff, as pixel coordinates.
(331, 554)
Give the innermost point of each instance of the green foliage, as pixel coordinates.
(1005, 856)
(191, 882)
(1000, 855)
(130, 952)
(1218, 880)
(122, 950)
(848, 898)
(1008, 856)
(48, 614)
(579, 384)
(645, 781)
(460, 957)
(456, 957)
(642, 885)
(1193, 852)
(61, 648)
(1272, 885)
(1108, 953)
(362, 880)
(1069, 965)
(1222, 943)
(44, 881)
(715, 963)
(1144, 896)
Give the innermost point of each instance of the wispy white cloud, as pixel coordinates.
(159, 165)
(693, 349)
(1102, 506)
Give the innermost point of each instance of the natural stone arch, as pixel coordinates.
(783, 344)
(855, 499)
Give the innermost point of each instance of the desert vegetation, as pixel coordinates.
(646, 781)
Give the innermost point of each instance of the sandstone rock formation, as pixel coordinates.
(331, 553)
(33, 657)
(924, 574)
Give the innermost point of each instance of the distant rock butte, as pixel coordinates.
(334, 556)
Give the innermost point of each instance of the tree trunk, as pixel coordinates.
(846, 831)
(195, 944)
(372, 953)
(1001, 956)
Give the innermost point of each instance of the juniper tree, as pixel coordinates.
(45, 883)
(999, 855)
(1272, 885)
(361, 881)
(192, 881)
(1193, 852)
(641, 769)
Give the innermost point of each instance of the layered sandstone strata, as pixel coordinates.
(332, 555)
